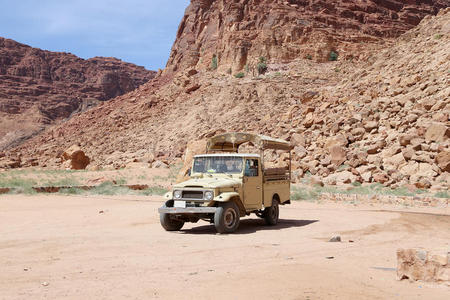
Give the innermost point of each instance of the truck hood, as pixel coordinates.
(211, 183)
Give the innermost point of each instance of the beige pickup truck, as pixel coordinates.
(226, 185)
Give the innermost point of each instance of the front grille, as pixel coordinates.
(197, 195)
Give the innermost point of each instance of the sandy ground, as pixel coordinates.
(55, 247)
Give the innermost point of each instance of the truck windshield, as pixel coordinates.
(218, 164)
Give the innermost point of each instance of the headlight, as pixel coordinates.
(177, 194)
(208, 195)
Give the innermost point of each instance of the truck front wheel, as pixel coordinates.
(167, 222)
(272, 213)
(226, 217)
(170, 224)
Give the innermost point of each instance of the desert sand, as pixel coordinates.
(113, 247)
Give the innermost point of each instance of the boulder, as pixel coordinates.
(410, 169)
(75, 158)
(437, 132)
(376, 147)
(338, 140)
(366, 176)
(193, 148)
(297, 140)
(443, 161)
(309, 120)
(158, 164)
(344, 177)
(420, 264)
(300, 152)
(395, 160)
(338, 155)
(426, 170)
(369, 126)
(380, 177)
(9, 164)
(405, 139)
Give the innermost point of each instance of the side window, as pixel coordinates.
(251, 168)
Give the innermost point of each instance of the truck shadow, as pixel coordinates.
(247, 226)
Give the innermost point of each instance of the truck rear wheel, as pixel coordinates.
(226, 217)
(272, 213)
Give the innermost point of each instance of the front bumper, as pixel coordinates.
(187, 210)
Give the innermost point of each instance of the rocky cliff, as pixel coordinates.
(383, 120)
(39, 87)
(236, 33)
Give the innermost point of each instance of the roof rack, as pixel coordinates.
(230, 142)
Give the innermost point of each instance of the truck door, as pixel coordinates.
(252, 184)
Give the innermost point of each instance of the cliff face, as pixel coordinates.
(39, 87)
(238, 32)
(384, 119)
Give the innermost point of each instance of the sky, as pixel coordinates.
(137, 31)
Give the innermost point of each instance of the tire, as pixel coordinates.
(272, 213)
(168, 223)
(227, 217)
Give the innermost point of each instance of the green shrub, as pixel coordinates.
(154, 190)
(442, 194)
(240, 75)
(71, 191)
(262, 66)
(438, 36)
(309, 56)
(333, 56)
(229, 71)
(303, 194)
(214, 62)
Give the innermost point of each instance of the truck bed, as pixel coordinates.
(274, 174)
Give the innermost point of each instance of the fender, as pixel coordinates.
(225, 197)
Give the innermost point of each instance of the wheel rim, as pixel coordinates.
(229, 218)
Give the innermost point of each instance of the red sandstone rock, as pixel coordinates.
(420, 264)
(38, 87)
(238, 32)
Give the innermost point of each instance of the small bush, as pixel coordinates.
(121, 181)
(108, 188)
(309, 56)
(442, 194)
(333, 56)
(214, 62)
(229, 71)
(240, 75)
(154, 190)
(303, 194)
(71, 191)
(438, 36)
(262, 66)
